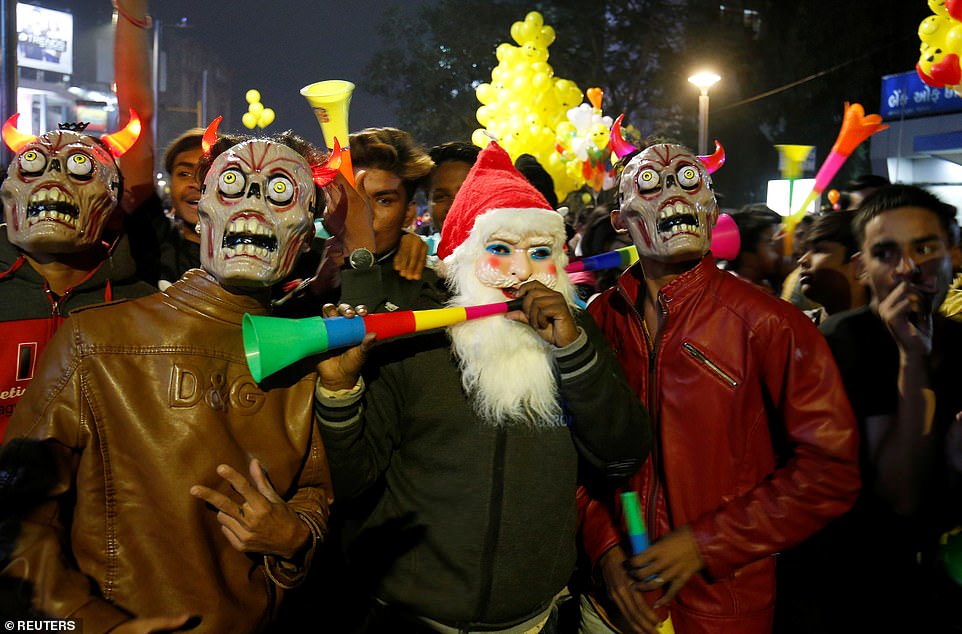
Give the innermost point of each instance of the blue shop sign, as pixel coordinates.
(905, 95)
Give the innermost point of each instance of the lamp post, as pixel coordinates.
(704, 80)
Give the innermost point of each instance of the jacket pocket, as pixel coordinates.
(710, 365)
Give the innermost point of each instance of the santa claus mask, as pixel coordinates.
(60, 189)
(255, 213)
(667, 205)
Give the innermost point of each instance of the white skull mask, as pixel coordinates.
(667, 203)
(255, 213)
(59, 191)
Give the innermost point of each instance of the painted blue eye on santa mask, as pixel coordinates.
(539, 253)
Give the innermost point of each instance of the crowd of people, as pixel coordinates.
(769, 443)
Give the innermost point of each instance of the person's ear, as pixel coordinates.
(618, 221)
(859, 262)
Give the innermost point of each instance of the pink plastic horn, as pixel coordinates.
(14, 138)
(714, 161)
(621, 148)
(122, 140)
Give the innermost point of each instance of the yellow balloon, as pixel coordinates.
(266, 118)
(542, 67)
(249, 120)
(529, 32)
(534, 19)
(256, 108)
(546, 36)
(506, 52)
(485, 93)
(479, 138)
(565, 129)
(484, 115)
(516, 32)
(599, 135)
(253, 96)
(532, 53)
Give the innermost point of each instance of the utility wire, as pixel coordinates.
(799, 82)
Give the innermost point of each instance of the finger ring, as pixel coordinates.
(659, 580)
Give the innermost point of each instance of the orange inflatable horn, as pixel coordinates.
(14, 138)
(122, 140)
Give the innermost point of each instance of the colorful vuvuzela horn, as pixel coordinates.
(725, 243)
(272, 343)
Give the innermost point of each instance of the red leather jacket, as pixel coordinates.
(734, 375)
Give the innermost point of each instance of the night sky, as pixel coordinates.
(279, 46)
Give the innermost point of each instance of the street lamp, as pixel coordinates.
(704, 80)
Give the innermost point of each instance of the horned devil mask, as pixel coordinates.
(667, 203)
(62, 186)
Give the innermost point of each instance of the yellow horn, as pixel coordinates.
(330, 100)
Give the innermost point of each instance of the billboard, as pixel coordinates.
(905, 96)
(44, 39)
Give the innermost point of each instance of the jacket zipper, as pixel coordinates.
(708, 363)
(651, 506)
(494, 525)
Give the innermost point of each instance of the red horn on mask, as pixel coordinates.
(122, 140)
(210, 135)
(716, 160)
(324, 174)
(619, 146)
(14, 138)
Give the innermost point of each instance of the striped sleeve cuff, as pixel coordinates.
(340, 408)
(576, 358)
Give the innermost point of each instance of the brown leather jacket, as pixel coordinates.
(134, 403)
(755, 440)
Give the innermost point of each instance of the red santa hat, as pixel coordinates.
(495, 195)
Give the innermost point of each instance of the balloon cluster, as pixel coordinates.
(524, 103)
(257, 115)
(941, 49)
(582, 142)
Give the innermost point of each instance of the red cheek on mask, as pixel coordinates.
(552, 269)
(494, 262)
(644, 233)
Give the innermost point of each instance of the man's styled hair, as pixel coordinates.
(454, 151)
(394, 151)
(190, 140)
(834, 226)
(896, 196)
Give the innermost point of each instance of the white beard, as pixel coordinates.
(508, 372)
(506, 368)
